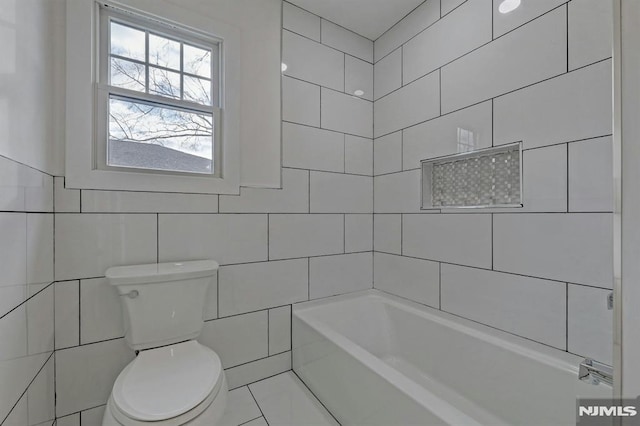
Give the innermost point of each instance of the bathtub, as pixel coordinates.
(375, 359)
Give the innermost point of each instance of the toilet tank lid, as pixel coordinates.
(160, 272)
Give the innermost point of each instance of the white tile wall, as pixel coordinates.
(311, 61)
(461, 131)
(226, 238)
(415, 279)
(590, 32)
(279, 330)
(414, 103)
(591, 175)
(258, 370)
(347, 41)
(387, 233)
(466, 28)
(577, 248)
(309, 148)
(358, 155)
(529, 307)
(100, 311)
(41, 396)
(358, 75)
(544, 179)
(238, 339)
(24, 188)
(256, 286)
(87, 244)
(358, 232)
(292, 198)
(397, 192)
(558, 110)
(423, 16)
(346, 113)
(65, 200)
(147, 202)
(590, 323)
(295, 236)
(85, 374)
(388, 74)
(448, 5)
(332, 275)
(527, 11)
(387, 156)
(536, 51)
(67, 316)
(300, 21)
(300, 102)
(457, 238)
(338, 193)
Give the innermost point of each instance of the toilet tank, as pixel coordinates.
(162, 303)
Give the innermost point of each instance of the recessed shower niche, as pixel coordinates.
(483, 178)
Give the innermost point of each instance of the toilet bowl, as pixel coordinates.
(174, 380)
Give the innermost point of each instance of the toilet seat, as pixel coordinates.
(167, 386)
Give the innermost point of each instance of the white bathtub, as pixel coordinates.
(374, 359)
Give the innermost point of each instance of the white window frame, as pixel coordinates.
(88, 95)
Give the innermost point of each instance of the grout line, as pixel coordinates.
(258, 404)
(316, 397)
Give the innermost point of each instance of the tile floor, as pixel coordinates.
(281, 400)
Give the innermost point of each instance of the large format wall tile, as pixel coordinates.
(358, 155)
(295, 235)
(415, 279)
(332, 275)
(255, 286)
(387, 154)
(312, 62)
(573, 106)
(358, 75)
(87, 244)
(340, 193)
(527, 11)
(397, 192)
(463, 30)
(292, 198)
(225, 238)
(346, 113)
(465, 130)
(461, 239)
(577, 248)
(529, 307)
(300, 102)
(536, 51)
(347, 41)
(423, 16)
(310, 148)
(414, 103)
(590, 32)
(590, 323)
(147, 202)
(388, 74)
(358, 232)
(387, 233)
(591, 175)
(85, 374)
(238, 339)
(300, 21)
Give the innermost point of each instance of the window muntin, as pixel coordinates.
(159, 98)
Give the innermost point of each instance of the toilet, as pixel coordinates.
(174, 380)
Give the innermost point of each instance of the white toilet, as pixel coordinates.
(174, 380)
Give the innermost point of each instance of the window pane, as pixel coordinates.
(164, 52)
(164, 83)
(127, 41)
(197, 61)
(127, 74)
(157, 137)
(197, 90)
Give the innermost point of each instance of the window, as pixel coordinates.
(158, 97)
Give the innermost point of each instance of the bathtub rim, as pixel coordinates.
(539, 352)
